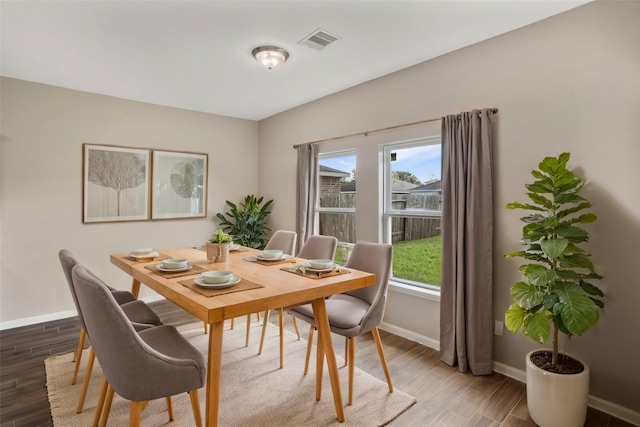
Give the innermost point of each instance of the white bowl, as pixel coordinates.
(271, 253)
(174, 263)
(320, 263)
(216, 276)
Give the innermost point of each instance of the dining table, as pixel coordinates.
(262, 285)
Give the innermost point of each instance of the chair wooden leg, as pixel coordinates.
(295, 325)
(264, 330)
(100, 405)
(258, 315)
(107, 406)
(135, 414)
(352, 365)
(347, 343)
(233, 323)
(306, 361)
(246, 340)
(85, 383)
(195, 405)
(78, 355)
(169, 408)
(205, 328)
(383, 360)
(281, 318)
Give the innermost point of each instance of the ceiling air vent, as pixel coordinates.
(318, 40)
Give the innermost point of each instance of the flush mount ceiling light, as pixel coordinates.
(270, 56)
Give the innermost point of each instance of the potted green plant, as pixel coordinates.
(218, 246)
(556, 296)
(247, 222)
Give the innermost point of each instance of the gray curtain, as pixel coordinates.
(466, 315)
(306, 191)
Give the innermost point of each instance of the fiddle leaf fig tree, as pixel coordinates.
(556, 294)
(247, 223)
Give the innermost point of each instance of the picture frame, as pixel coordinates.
(179, 184)
(115, 184)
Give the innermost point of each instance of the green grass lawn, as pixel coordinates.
(418, 260)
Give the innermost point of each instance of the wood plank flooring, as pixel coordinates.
(446, 397)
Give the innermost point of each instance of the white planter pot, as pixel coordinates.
(557, 399)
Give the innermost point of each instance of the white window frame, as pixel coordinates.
(389, 213)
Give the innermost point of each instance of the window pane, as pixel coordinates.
(415, 177)
(338, 194)
(337, 181)
(343, 227)
(417, 250)
(413, 208)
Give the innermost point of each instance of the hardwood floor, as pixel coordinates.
(445, 396)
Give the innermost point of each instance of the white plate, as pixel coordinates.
(281, 257)
(200, 282)
(307, 266)
(234, 247)
(148, 255)
(173, 270)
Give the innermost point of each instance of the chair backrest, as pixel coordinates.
(134, 369)
(283, 240)
(373, 258)
(319, 247)
(68, 261)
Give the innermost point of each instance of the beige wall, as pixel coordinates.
(569, 83)
(43, 128)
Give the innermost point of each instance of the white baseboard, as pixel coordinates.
(410, 335)
(26, 321)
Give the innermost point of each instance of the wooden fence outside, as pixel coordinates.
(342, 225)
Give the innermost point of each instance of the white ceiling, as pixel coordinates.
(197, 54)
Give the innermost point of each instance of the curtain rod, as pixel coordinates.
(366, 133)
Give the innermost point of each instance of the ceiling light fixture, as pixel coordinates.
(270, 56)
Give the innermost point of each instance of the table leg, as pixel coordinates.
(213, 373)
(324, 336)
(135, 288)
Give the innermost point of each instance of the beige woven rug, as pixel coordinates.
(254, 391)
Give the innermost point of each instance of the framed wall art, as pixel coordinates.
(115, 183)
(178, 185)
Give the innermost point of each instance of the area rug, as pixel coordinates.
(254, 390)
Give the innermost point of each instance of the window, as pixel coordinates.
(413, 209)
(337, 200)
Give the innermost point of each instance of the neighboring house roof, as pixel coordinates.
(434, 185)
(397, 186)
(327, 171)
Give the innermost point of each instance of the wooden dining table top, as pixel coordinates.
(280, 288)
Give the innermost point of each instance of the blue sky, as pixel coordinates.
(424, 162)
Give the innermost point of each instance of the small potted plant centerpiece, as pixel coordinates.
(555, 295)
(218, 246)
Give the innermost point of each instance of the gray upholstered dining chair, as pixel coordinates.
(138, 365)
(285, 241)
(316, 247)
(357, 312)
(138, 312)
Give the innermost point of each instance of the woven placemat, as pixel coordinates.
(314, 275)
(242, 285)
(150, 259)
(195, 269)
(271, 263)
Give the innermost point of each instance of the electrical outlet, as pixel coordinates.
(499, 328)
